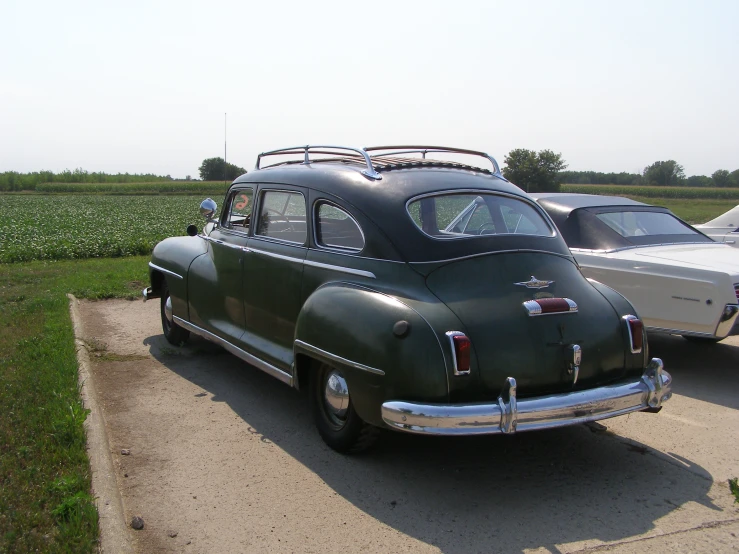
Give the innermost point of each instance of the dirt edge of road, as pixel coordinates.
(113, 531)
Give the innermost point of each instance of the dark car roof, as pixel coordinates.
(564, 200)
(384, 200)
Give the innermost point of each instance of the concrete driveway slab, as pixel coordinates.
(224, 458)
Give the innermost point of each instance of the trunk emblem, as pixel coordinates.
(534, 283)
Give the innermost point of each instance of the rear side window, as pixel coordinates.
(450, 215)
(337, 229)
(282, 216)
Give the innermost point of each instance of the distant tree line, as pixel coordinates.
(14, 181)
(662, 174)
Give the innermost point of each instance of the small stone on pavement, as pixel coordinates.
(137, 522)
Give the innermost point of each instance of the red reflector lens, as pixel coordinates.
(637, 334)
(553, 305)
(462, 347)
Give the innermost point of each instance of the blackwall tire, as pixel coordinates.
(339, 425)
(174, 334)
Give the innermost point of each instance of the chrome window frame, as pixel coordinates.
(315, 222)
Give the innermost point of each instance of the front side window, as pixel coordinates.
(337, 229)
(453, 215)
(282, 216)
(238, 214)
(639, 224)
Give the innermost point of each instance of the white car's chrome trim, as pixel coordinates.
(612, 250)
(509, 414)
(337, 359)
(167, 271)
(236, 351)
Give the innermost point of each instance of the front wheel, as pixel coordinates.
(338, 424)
(172, 332)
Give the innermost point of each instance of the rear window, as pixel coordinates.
(463, 215)
(642, 224)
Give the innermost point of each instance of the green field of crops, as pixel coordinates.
(656, 192)
(54, 227)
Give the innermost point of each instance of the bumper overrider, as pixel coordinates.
(509, 415)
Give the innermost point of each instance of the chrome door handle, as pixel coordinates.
(730, 242)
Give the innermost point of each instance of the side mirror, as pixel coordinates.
(208, 208)
(192, 230)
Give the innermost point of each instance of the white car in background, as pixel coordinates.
(679, 280)
(725, 228)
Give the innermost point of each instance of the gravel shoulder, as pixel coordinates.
(224, 458)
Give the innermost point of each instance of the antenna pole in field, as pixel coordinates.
(225, 122)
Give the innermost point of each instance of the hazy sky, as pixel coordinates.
(143, 86)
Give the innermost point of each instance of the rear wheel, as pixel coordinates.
(172, 332)
(338, 424)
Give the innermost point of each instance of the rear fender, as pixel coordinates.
(623, 307)
(384, 348)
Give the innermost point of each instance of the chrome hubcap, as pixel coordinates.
(168, 309)
(336, 395)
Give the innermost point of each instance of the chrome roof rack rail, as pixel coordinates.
(369, 172)
(423, 150)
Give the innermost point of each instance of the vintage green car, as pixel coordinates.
(404, 292)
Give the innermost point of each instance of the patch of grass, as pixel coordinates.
(692, 211)
(734, 488)
(45, 499)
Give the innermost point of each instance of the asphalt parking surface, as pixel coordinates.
(226, 459)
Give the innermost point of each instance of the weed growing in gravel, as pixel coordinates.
(734, 488)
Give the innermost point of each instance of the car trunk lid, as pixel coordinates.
(488, 294)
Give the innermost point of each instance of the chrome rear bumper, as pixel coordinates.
(509, 415)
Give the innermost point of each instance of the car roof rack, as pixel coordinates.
(356, 152)
(388, 156)
(423, 150)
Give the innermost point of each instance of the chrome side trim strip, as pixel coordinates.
(510, 414)
(495, 252)
(337, 359)
(249, 249)
(167, 271)
(236, 351)
(222, 242)
(342, 269)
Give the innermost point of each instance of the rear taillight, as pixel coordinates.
(461, 351)
(636, 333)
(736, 291)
